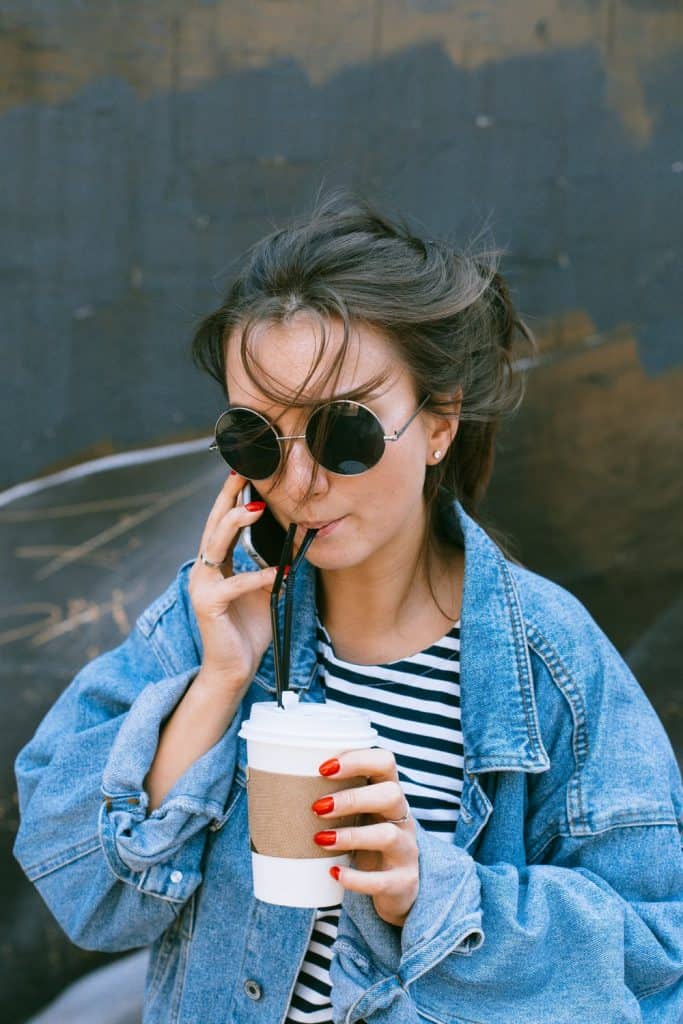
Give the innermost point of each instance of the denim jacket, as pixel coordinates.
(558, 900)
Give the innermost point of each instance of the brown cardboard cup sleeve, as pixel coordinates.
(281, 822)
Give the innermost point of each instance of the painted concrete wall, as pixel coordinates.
(145, 145)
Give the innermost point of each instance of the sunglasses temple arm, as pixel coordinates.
(274, 597)
(289, 603)
(399, 433)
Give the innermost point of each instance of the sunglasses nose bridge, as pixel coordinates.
(289, 445)
(300, 469)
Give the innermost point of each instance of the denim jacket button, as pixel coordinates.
(252, 988)
(176, 876)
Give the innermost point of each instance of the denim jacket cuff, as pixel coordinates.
(447, 915)
(161, 851)
(378, 961)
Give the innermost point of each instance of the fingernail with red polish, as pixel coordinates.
(325, 838)
(324, 805)
(330, 767)
(233, 472)
(335, 871)
(255, 506)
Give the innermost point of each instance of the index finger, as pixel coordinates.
(376, 763)
(225, 500)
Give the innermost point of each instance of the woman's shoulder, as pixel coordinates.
(581, 659)
(175, 596)
(557, 620)
(594, 714)
(170, 625)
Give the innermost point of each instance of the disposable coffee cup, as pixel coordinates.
(285, 747)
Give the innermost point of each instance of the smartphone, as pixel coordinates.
(264, 539)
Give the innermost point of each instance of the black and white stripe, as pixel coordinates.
(415, 706)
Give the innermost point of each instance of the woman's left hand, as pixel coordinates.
(386, 854)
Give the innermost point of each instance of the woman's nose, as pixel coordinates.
(302, 474)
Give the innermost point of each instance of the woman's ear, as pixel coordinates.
(443, 425)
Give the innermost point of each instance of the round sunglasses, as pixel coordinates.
(344, 437)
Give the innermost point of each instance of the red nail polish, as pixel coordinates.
(255, 506)
(335, 871)
(286, 570)
(325, 838)
(324, 805)
(233, 472)
(330, 767)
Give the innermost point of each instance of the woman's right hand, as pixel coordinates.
(233, 611)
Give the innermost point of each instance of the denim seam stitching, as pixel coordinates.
(382, 983)
(121, 870)
(174, 902)
(149, 620)
(36, 871)
(533, 857)
(179, 986)
(646, 992)
(563, 681)
(353, 952)
(161, 653)
(188, 804)
(161, 961)
(464, 931)
(523, 665)
(227, 812)
(437, 929)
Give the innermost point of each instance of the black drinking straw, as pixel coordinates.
(281, 650)
(274, 597)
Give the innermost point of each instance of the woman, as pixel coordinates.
(519, 857)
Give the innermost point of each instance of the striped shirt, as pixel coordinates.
(414, 704)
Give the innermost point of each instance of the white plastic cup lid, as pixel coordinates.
(307, 722)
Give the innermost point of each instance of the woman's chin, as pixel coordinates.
(329, 560)
(335, 556)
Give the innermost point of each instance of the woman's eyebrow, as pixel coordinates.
(351, 394)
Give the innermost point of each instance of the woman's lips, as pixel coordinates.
(323, 528)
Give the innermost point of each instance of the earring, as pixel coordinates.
(437, 454)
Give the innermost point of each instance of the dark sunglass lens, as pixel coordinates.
(247, 443)
(345, 438)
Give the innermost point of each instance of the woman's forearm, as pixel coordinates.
(198, 722)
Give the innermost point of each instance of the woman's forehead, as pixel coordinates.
(287, 353)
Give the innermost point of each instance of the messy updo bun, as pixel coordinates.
(448, 312)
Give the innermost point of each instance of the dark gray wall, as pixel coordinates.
(144, 145)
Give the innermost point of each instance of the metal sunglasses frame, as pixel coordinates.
(397, 434)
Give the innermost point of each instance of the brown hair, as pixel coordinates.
(447, 311)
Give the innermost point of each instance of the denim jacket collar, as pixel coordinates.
(499, 717)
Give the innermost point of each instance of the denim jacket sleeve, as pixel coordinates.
(114, 875)
(589, 928)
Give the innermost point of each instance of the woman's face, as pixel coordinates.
(373, 512)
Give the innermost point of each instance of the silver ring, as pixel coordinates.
(212, 565)
(403, 820)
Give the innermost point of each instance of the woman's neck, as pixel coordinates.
(392, 605)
